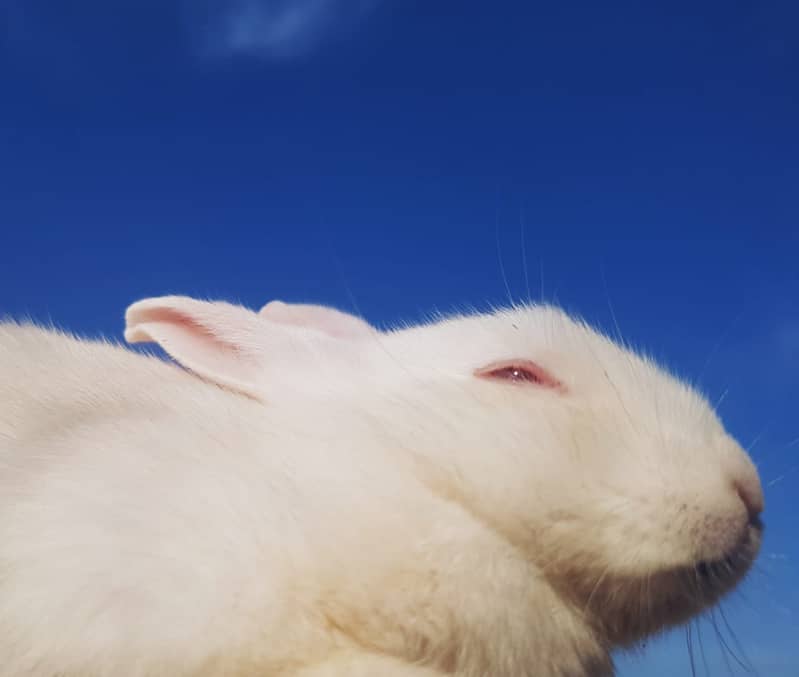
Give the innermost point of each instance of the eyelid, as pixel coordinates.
(541, 376)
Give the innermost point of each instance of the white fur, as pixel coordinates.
(371, 508)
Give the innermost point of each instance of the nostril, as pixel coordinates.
(751, 493)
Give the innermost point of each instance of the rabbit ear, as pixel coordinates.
(216, 340)
(327, 320)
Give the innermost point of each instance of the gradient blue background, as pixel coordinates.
(377, 155)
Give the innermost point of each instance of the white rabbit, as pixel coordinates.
(505, 494)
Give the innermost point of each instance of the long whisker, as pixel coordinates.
(340, 270)
(718, 344)
(610, 306)
(721, 642)
(501, 262)
(728, 650)
(701, 646)
(744, 662)
(690, 644)
(543, 296)
(524, 256)
(721, 399)
(788, 473)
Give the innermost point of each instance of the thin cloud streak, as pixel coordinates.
(276, 29)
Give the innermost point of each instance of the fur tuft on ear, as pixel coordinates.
(218, 341)
(327, 320)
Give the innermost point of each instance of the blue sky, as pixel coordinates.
(378, 154)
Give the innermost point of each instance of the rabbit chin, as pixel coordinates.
(625, 609)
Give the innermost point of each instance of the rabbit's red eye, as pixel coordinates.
(519, 371)
(515, 374)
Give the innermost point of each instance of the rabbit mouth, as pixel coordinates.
(717, 576)
(628, 609)
(692, 589)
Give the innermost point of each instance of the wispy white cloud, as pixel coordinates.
(268, 29)
(274, 29)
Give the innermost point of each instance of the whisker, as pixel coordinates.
(689, 643)
(720, 640)
(721, 399)
(596, 587)
(340, 270)
(727, 649)
(524, 256)
(610, 306)
(744, 662)
(501, 262)
(543, 295)
(649, 595)
(752, 444)
(718, 344)
(788, 473)
(701, 645)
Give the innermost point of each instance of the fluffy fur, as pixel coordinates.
(321, 503)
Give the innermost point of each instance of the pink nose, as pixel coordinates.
(747, 484)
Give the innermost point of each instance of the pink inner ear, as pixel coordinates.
(179, 322)
(320, 318)
(213, 340)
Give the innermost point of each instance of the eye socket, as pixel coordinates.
(519, 371)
